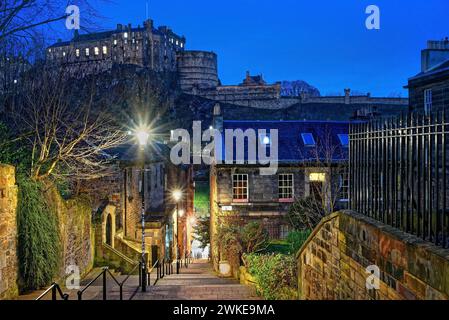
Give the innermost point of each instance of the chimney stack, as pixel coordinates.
(347, 96)
(435, 53)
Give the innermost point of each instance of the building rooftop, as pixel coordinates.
(301, 141)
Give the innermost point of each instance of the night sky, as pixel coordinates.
(323, 42)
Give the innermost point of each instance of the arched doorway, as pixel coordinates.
(109, 230)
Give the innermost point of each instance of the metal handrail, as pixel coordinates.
(155, 265)
(54, 288)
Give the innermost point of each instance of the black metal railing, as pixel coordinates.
(55, 290)
(399, 174)
(104, 273)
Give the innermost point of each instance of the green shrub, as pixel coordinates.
(296, 239)
(276, 275)
(38, 240)
(278, 246)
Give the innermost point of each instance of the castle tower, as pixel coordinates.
(197, 69)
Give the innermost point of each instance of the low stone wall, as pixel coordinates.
(332, 263)
(8, 233)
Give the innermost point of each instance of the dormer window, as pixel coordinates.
(308, 139)
(265, 139)
(87, 52)
(96, 51)
(344, 139)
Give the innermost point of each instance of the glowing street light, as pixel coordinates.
(142, 136)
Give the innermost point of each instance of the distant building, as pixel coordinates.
(144, 46)
(429, 90)
(239, 192)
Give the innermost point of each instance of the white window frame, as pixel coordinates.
(282, 190)
(342, 185)
(427, 101)
(235, 179)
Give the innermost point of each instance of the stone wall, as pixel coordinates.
(76, 231)
(8, 233)
(332, 263)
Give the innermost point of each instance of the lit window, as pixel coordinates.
(49, 50)
(286, 189)
(134, 40)
(265, 139)
(115, 42)
(63, 53)
(308, 139)
(97, 51)
(87, 52)
(105, 50)
(125, 35)
(182, 45)
(317, 177)
(240, 187)
(177, 42)
(77, 52)
(344, 139)
(428, 101)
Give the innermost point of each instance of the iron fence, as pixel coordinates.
(398, 174)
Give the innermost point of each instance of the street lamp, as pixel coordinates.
(177, 196)
(142, 137)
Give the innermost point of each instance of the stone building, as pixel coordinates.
(146, 46)
(123, 191)
(429, 90)
(311, 162)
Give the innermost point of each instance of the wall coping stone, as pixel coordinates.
(396, 233)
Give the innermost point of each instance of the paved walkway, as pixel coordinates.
(197, 282)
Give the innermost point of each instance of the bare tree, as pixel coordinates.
(329, 161)
(70, 134)
(19, 18)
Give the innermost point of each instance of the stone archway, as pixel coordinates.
(108, 225)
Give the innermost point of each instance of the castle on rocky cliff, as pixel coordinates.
(162, 50)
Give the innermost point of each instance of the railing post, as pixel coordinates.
(140, 274)
(121, 292)
(53, 292)
(80, 296)
(104, 283)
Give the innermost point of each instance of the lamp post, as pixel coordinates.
(177, 195)
(142, 137)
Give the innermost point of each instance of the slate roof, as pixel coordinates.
(291, 147)
(442, 67)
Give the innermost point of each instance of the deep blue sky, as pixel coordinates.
(323, 42)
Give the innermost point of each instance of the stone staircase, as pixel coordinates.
(197, 282)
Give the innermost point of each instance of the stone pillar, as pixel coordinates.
(8, 233)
